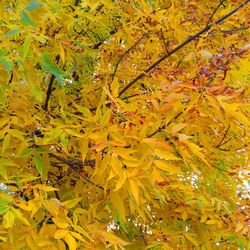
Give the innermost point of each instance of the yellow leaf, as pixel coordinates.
(5, 162)
(239, 227)
(184, 215)
(60, 223)
(62, 53)
(165, 154)
(45, 188)
(117, 202)
(78, 236)
(8, 219)
(178, 128)
(82, 231)
(59, 234)
(197, 151)
(167, 167)
(212, 222)
(20, 216)
(192, 240)
(134, 189)
(203, 218)
(6, 142)
(205, 53)
(71, 203)
(71, 242)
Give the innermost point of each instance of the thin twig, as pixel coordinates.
(215, 10)
(50, 88)
(190, 39)
(77, 164)
(77, 2)
(223, 137)
(124, 54)
(164, 126)
(164, 41)
(142, 236)
(90, 163)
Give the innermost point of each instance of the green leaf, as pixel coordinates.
(25, 19)
(6, 143)
(26, 46)
(33, 5)
(13, 32)
(39, 164)
(37, 93)
(53, 69)
(8, 66)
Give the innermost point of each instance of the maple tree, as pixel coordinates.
(124, 124)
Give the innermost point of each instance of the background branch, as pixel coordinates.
(190, 39)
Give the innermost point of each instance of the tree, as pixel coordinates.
(124, 124)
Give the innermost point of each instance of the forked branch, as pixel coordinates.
(190, 39)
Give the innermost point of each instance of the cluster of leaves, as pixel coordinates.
(124, 124)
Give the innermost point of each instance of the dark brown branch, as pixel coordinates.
(215, 10)
(98, 44)
(164, 126)
(50, 88)
(124, 54)
(90, 163)
(77, 164)
(164, 41)
(142, 235)
(190, 39)
(223, 137)
(77, 2)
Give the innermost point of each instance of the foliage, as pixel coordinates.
(113, 138)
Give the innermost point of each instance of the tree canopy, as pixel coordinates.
(124, 124)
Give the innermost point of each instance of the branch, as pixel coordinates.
(77, 2)
(124, 54)
(180, 46)
(164, 126)
(50, 88)
(142, 235)
(98, 44)
(223, 137)
(77, 164)
(216, 9)
(90, 163)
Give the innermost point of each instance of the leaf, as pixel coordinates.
(25, 19)
(117, 202)
(71, 203)
(211, 222)
(82, 231)
(62, 52)
(61, 233)
(167, 167)
(39, 164)
(134, 190)
(8, 219)
(165, 155)
(61, 223)
(71, 242)
(45, 188)
(13, 32)
(26, 46)
(33, 5)
(197, 151)
(53, 69)
(3, 172)
(239, 227)
(192, 239)
(6, 142)
(20, 216)
(5, 162)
